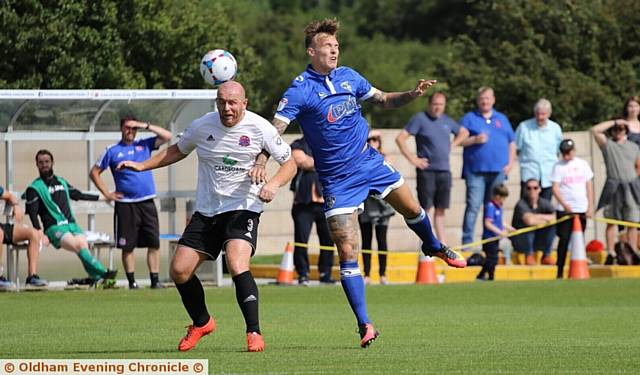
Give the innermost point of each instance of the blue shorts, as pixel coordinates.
(346, 193)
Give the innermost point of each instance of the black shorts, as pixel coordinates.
(136, 225)
(209, 234)
(7, 238)
(434, 188)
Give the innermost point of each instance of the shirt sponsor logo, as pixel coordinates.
(54, 188)
(283, 103)
(228, 161)
(345, 108)
(244, 141)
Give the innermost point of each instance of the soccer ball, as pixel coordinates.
(218, 66)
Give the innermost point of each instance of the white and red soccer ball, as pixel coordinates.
(218, 66)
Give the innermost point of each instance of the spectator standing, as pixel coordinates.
(621, 192)
(307, 209)
(631, 117)
(135, 216)
(537, 141)
(533, 210)
(432, 130)
(49, 197)
(494, 225)
(489, 153)
(16, 233)
(375, 218)
(572, 185)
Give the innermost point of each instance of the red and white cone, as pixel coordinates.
(578, 268)
(426, 270)
(285, 275)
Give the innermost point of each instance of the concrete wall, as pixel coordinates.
(276, 227)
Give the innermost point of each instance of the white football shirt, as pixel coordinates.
(225, 156)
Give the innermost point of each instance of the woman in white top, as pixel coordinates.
(572, 186)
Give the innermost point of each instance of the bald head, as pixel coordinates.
(231, 102)
(232, 88)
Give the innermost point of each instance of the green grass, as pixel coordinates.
(551, 327)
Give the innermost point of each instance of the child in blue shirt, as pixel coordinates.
(494, 225)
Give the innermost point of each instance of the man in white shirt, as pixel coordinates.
(572, 185)
(228, 205)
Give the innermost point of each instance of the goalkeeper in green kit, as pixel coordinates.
(49, 196)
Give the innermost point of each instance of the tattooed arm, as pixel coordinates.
(390, 100)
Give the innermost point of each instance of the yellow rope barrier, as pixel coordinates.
(617, 222)
(459, 247)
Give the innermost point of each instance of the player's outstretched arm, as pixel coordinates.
(280, 125)
(390, 100)
(169, 155)
(284, 174)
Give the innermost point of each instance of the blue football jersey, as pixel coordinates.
(135, 186)
(328, 110)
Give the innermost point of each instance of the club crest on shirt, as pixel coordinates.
(245, 141)
(498, 124)
(283, 103)
(345, 85)
(139, 148)
(330, 201)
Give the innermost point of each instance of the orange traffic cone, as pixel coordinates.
(285, 275)
(578, 268)
(426, 270)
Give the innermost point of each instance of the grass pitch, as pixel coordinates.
(547, 327)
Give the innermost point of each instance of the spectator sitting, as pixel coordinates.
(537, 141)
(17, 233)
(533, 210)
(494, 225)
(489, 153)
(621, 193)
(49, 196)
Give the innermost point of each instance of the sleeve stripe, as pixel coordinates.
(369, 94)
(282, 118)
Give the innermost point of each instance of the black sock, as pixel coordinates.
(192, 295)
(131, 277)
(247, 296)
(154, 278)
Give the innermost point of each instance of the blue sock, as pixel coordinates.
(353, 286)
(422, 226)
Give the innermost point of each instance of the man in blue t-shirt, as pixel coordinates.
(489, 154)
(325, 101)
(432, 130)
(135, 214)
